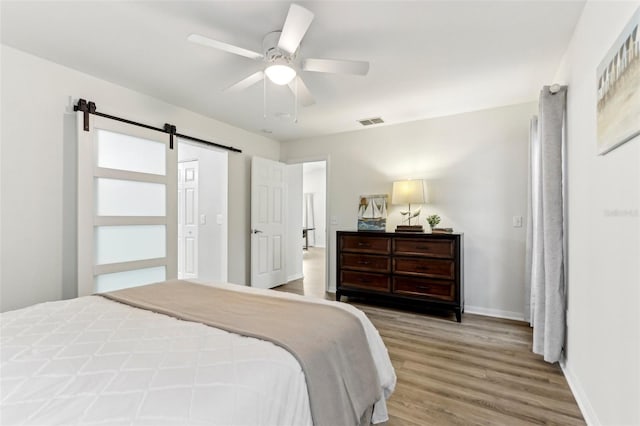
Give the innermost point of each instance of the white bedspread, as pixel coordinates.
(92, 361)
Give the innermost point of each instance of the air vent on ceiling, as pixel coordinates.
(370, 121)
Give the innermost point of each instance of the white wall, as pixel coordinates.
(314, 182)
(293, 258)
(38, 172)
(212, 202)
(476, 166)
(603, 334)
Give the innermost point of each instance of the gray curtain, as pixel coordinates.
(532, 200)
(545, 230)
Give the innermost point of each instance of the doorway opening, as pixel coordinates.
(307, 226)
(202, 213)
(314, 191)
(188, 219)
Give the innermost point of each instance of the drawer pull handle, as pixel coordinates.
(361, 244)
(363, 262)
(422, 287)
(422, 268)
(365, 280)
(423, 247)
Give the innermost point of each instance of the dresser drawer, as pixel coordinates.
(419, 247)
(365, 262)
(435, 268)
(364, 280)
(362, 244)
(444, 290)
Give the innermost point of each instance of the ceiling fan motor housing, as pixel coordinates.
(274, 54)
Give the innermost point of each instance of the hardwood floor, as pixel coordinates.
(478, 372)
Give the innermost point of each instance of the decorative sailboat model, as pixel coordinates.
(408, 215)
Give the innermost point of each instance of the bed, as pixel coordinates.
(93, 360)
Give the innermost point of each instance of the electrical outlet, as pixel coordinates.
(203, 219)
(517, 221)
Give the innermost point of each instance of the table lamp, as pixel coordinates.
(409, 192)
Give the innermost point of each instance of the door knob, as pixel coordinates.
(256, 231)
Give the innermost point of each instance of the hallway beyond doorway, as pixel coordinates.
(313, 269)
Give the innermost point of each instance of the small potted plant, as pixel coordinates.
(433, 221)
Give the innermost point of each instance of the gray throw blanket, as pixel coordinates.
(329, 343)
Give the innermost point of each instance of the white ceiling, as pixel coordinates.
(428, 58)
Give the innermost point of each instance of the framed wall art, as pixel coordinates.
(618, 108)
(372, 212)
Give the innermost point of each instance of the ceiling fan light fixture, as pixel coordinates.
(280, 74)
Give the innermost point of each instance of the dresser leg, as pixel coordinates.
(458, 315)
(337, 295)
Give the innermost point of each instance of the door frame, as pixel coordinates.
(327, 205)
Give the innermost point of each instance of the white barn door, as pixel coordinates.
(267, 223)
(127, 210)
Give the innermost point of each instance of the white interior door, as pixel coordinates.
(188, 214)
(267, 223)
(127, 210)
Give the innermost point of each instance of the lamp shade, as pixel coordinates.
(408, 192)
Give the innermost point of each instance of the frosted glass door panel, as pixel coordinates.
(123, 152)
(127, 207)
(127, 243)
(117, 197)
(135, 278)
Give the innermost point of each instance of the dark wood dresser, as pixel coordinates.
(414, 269)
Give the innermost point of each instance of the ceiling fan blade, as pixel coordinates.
(305, 98)
(295, 27)
(336, 66)
(247, 82)
(195, 38)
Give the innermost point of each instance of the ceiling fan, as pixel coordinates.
(280, 56)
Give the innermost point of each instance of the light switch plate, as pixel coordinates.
(517, 221)
(219, 219)
(334, 220)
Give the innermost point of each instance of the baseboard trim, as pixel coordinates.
(497, 313)
(294, 277)
(580, 395)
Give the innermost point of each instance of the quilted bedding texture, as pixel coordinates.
(90, 361)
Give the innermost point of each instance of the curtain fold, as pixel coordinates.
(533, 176)
(546, 232)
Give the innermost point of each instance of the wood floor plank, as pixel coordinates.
(504, 390)
(485, 399)
(417, 350)
(456, 411)
(478, 372)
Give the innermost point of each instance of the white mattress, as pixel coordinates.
(90, 361)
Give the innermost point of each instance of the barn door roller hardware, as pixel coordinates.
(88, 107)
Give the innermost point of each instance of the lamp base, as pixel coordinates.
(409, 228)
